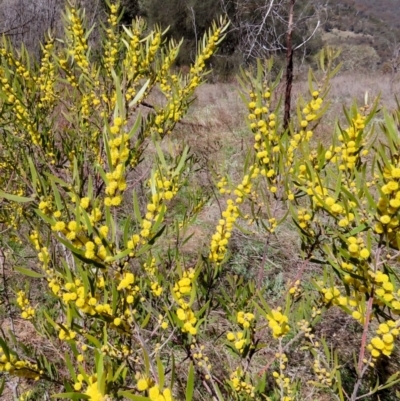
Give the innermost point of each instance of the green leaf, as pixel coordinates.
(72, 396)
(190, 383)
(139, 95)
(15, 198)
(119, 110)
(120, 255)
(27, 272)
(160, 369)
(118, 372)
(136, 208)
(146, 321)
(70, 366)
(2, 385)
(93, 340)
(100, 368)
(57, 196)
(45, 218)
(51, 321)
(181, 161)
(135, 127)
(133, 397)
(33, 173)
(5, 349)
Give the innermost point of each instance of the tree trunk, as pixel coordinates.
(289, 66)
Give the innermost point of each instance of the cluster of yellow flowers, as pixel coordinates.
(132, 57)
(112, 40)
(220, 239)
(164, 186)
(47, 77)
(23, 302)
(295, 290)
(119, 151)
(34, 237)
(348, 154)
(21, 368)
(278, 323)
(283, 382)
(241, 383)
(153, 390)
(386, 290)
(263, 125)
(184, 285)
(325, 376)
(206, 52)
(75, 292)
(354, 302)
(184, 313)
(244, 319)
(201, 360)
(383, 343)
(389, 204)
(357, 248)
(22, 113)
(78, 48)
(66, 335)
(46, 205)
(238, 339)
(152, 51)
(304, 218)
(308, 114)
(131, 289)
(92, 387)
(322, 199)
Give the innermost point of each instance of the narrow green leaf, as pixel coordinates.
(133, 397)
(34, 174)
(146, 321)
(136, 208)
(190, 383)
(5, 348)
(15, 198)
(2, 385)
(57, 196)
(139, 95)
(72, 396)
(27, 272)
(118, 372)
(160, 369)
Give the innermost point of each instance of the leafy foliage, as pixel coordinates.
(93, 195)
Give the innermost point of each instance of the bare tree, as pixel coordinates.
(289, 66)
(266, 27)
(27, 21)
(262, 25)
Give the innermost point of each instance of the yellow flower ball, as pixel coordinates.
(353, 248)
(142, 384)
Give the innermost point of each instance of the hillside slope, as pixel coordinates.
(376, 22)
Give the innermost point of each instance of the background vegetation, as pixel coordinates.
(361, 26)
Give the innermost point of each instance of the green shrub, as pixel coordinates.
(128, 313)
